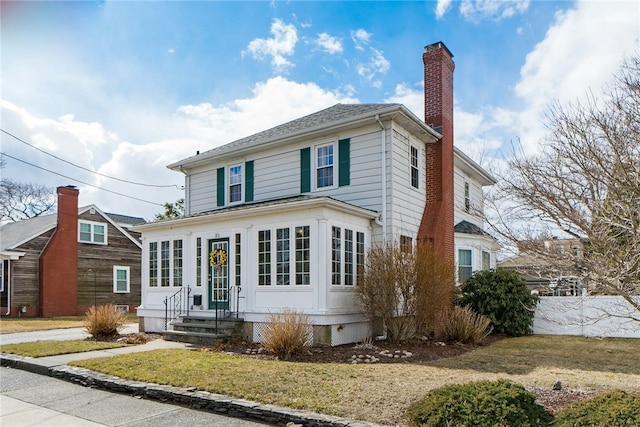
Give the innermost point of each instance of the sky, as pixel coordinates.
(104, 94)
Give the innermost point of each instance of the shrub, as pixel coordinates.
(287, 333)
(104, 321)
(408, 289)
(503, 297)
(615, 408)
(466, 326)
(484, 403)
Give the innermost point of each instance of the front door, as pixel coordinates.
(219, 274)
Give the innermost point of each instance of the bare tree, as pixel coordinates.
(19, 200)
(585, 183)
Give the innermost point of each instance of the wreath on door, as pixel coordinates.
(217, 258)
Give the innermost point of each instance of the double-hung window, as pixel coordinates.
(92, 232)
(121, 279)
(465, 266)
(324, 166)
(235, 184)
(467, 197)
(415, 170)
(347, 256)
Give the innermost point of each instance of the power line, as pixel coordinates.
(86, 169)
(81, 182)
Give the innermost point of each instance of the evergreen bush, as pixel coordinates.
(503, 297)
(479, 404)
(613, 409)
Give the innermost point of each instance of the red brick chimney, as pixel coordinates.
(437, 220)
(59, 260)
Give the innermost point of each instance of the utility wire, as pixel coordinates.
(86, 169)
(81, 182)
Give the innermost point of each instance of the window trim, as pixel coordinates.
(333, 166)
(117, 268)
(92, 225)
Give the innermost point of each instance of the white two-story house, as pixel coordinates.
(283, 219)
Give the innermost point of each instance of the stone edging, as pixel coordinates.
(200, 400)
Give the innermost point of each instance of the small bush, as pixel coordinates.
(466, 326)
(104, 321)
(503, 297)
(287, 333)
(615, 408)
(479, 404)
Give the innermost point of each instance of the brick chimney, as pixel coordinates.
(437, 220)
(59, 260)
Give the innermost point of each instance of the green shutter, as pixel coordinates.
(220, 184)
(248, 181)
(344, 162)
(305, 170)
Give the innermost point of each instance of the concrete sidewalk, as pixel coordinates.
(57, 366)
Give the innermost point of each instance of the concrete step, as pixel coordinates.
(199, 338)
(204, 327)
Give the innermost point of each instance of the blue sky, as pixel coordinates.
(124, 88)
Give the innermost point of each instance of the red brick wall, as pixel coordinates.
(437, 220)
(59, 260)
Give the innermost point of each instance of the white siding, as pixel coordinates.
(202, 191)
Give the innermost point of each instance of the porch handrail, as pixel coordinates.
(176, 304)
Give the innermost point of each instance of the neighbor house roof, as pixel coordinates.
(332, 117)
(17, 233)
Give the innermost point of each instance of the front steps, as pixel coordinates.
(202, 330)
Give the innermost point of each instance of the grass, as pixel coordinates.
(9, 326)
(382, 392)
(54, 348)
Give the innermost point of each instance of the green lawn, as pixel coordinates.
(8, 326)
(382, 392)
(54, 348)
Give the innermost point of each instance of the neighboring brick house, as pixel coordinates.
(283, 219)
(62, 264)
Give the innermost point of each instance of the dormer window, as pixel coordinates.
(92, 232)
(324, 166)
(235, 184)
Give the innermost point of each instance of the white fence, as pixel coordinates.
(600, 316)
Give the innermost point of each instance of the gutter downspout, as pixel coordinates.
(384, 180)
(8, 287)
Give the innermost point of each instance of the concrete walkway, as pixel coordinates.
(57, 366)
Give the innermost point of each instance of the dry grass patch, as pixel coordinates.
(55, 348)
(381, 393)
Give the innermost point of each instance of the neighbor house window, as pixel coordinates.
(153, 264)
(235, 184)
(303, 259)
(2, 275)
(415, 171)
(467, 198)
(92, 232)
(465, 267)
(324, 166)
(121, 277)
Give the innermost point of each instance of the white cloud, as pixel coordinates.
(282, 44)
(376, 65)
(329, 43)
(360, 38)
(478, 10)
(442, 7)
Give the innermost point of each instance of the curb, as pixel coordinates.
(191, 397)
